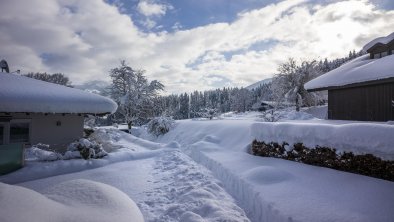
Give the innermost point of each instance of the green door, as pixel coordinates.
(11, 157)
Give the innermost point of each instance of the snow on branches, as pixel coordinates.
(288, 83)
(134, 94)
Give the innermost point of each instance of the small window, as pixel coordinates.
(383, 54)
(376, 55)
(392, 52)
(19, 132)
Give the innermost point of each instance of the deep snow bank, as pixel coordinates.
(273, 190)
(229, 134)
(360, 138)
(75, 200)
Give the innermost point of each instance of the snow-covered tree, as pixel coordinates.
(57, 78)
(160, 125)
(209, 113)
(134, 94)
(288, 83)
(241, 100)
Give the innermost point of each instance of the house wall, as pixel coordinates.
(364, 103)
(45, 128)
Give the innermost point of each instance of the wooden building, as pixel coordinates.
(362, 89)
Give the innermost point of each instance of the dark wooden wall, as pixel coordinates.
(379, 48)
(365, 103)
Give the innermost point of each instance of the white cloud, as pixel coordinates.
(151, 9)
(85, 39)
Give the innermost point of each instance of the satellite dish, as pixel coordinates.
(4, 66)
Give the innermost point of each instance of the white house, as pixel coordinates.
(34, 111)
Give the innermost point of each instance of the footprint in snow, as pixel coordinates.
(173, 144)
(267, 175)
(211, 139)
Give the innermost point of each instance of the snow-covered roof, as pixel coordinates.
(358, 70)
(381, 40)
(23, 94)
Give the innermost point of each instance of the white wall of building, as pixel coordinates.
(57, 130)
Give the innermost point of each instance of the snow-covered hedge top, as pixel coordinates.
(23, 94)
(361, 69)
(382, 40)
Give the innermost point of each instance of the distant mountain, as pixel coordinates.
(95, 86)
(257, 84)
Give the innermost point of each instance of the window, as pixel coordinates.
(19, 132)
(383, 54)
(376, 55)
(392, 52)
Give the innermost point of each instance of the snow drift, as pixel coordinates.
(75, 200)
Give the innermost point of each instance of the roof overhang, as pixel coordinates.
(84, 114)
(379, 44)
(26, 95)
(353, 85)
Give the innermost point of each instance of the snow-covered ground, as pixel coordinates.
(166, 184)
(74, 200)
(201, 171)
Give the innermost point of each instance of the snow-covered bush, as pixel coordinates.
(274, 115)
(41, 152)
(107, 137)
(271, 115)
(86, 149)
(90, 121)
(209, 113)
(160, 125)
(365, 164)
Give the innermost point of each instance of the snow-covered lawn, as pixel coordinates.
(74, 200)
(201, 171)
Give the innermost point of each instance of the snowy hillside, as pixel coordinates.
(259, 83)
(95, 86)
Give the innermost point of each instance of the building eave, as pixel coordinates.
(359, 84)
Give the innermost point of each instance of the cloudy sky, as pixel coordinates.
(186, 44)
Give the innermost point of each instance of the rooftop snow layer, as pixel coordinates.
(361, 69)
(382, 40)
(23, 94)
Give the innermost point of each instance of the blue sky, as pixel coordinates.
(186, 44)
(190, 13)
(187, 14)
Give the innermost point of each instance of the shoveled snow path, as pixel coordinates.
(167, 186)
(275, 190)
